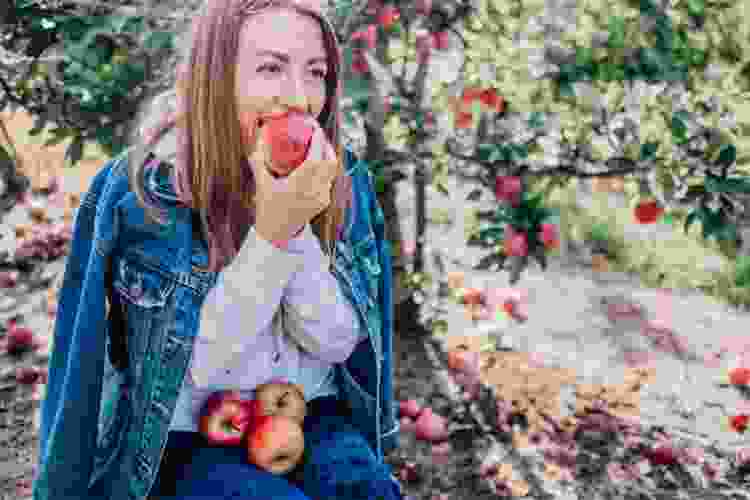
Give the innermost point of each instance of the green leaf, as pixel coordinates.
(648, 150)
(485, 151)
(599, 232)
(616, 38)
(565, 88)
(476, 111)
(696, 8)
(129, 24)
(679, 128)
(60, 134)
(692, 217)
(536, 119)
(727, 155)
(440, 186)
(728, 185)
(158, 40)
(729, 232)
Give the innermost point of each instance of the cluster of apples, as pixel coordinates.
(269, 426)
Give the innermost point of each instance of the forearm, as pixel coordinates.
(255, 280)
(317, 314)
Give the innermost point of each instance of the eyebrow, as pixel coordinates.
(285, 58)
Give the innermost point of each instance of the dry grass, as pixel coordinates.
(676, 260)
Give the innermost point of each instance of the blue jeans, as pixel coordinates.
(338, 464)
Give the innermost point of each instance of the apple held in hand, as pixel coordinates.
(281, 399)
(224, 418)
(289, 137)
(275, 443)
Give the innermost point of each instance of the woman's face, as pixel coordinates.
(282, 64)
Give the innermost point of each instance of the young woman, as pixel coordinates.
(194, 270)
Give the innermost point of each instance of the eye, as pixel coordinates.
(269, 66)
(266, 67)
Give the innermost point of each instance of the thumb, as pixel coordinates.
(315, 155)
(258, 159)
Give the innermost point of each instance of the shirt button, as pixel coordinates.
(276, 357)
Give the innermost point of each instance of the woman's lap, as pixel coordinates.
(339, 464)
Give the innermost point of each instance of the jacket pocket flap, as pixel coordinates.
(140, 285)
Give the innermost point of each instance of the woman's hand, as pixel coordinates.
(285, 205)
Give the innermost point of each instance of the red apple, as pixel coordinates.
(282, 399)
(388, 17)
(289, 137)
(648, 212)
(739, 376)
(548, 235)
(739, 423)
(30, 375)
(275, 443)
(441, 40)
(492, 100)
(431, 426)
(423, 7)
(409, 408)
(368, 37)
(473, 296)
(20, 339)
(464, 361)
(223, 418)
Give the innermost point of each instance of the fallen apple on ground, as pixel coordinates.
(275, 443)
(224, 418)
(281, 399)
(289, 137)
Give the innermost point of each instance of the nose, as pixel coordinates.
(295, 98)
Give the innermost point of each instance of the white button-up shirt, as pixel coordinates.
(274, 313)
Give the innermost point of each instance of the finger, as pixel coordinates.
(260, 157)
(316, 148)
(310, 168)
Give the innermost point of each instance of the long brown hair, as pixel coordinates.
(211, 172)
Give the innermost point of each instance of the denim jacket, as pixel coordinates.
(105, 418)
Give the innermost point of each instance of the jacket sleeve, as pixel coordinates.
(316, 314)
(69, 412)
(255, 280)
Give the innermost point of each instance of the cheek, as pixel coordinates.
(317, 102)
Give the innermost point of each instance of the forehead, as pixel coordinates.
(284, 30)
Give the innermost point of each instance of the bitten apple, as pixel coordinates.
(224, 417)
(275, 443)
(289, 137)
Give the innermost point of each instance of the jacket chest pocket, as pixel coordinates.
(140, 304)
